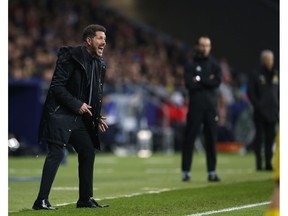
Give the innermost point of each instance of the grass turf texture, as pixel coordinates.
(142, 179)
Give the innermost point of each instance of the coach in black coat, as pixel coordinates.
(71, 114)
(66, 95)
(263, 92)
(202, 78)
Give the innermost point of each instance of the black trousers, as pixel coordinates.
(265, 134)
(195, 121)
(83, 145)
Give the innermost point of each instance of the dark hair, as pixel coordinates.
(90, 30)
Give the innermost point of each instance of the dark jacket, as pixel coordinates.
(68, 91)
(202, 94)
(263, 92)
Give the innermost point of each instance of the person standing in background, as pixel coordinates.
(71, 115)
(202, 78)
(263, 93)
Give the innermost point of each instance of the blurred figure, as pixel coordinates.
(274, 207)
(263, 92)
(71, 114)
(202, 79)
(110, 111)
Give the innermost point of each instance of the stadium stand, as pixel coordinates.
(143, 88)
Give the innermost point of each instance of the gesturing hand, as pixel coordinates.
(102, 124)
(85, 109)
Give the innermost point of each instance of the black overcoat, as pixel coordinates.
(68, 91)
(202, 95)
(263, 93)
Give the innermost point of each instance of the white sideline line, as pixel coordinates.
(230, 209)
(66, 188)
(127, 195)
(167, 189)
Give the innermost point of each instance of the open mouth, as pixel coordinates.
(101, 48)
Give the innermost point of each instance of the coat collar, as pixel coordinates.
(78, 55)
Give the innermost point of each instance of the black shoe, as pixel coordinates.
(43, 204)
(186, 178)
(259, 166)
(268, 167)
(213, 178)
(91, 203)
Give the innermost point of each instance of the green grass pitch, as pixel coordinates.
(144, 186)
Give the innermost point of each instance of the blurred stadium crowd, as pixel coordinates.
(144, 87)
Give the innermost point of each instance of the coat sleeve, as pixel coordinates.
(62, 74)
(188, 78)
(216, 81)
(252, 90)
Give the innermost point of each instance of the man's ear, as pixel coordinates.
(89, 41)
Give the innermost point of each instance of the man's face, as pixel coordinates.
(268, 60)
(204, 46)
(98, 42)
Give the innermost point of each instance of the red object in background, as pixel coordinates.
(173, 113)
(229, 146)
